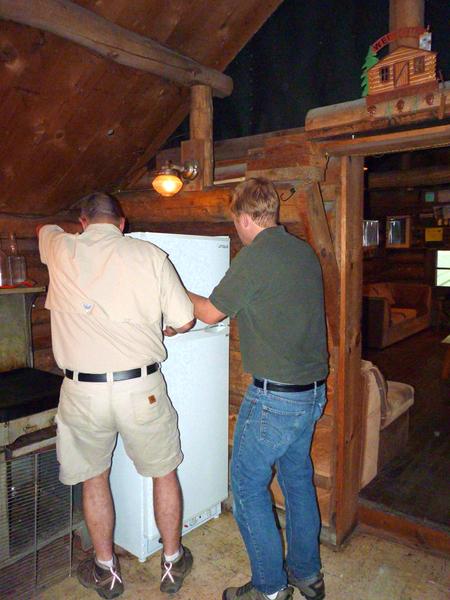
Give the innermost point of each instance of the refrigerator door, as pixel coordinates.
(201, 261)
(197, 379)
(196, 373)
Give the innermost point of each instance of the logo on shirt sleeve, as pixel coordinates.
(88, 306)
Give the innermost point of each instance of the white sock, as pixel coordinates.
(173, 557)
(105, 564)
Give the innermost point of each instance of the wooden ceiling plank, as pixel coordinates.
(136, 119)
(76, 119)
(98, 149)
(54, 155)
(54, 118)
(140, 168)
(75, 23)
(63, 82)
(244, 20)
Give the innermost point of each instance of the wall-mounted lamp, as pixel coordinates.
(169, 178)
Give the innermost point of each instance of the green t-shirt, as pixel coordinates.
(274, 288)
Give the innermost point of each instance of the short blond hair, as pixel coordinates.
(258, 198)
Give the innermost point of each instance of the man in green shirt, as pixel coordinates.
(274, 288)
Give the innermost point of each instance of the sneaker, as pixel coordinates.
(106, 582)
(173, 573)
(248, 592)
(312, 588)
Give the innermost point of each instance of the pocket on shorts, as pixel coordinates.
(150, 405)
(75, 408)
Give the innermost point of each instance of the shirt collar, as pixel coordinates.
(269, 232)
(102, 228)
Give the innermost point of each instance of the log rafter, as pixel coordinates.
(72, 22)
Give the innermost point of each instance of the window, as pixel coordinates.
(384, 74)
(398, 230)
(419, 64)
(371, 234)
(443, 268)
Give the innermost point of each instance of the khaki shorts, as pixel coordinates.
(90, 415)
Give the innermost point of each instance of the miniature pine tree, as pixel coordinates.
(371, 60)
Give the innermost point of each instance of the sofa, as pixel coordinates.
(393, 311)
(385, 419)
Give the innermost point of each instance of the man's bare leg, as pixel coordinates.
(168, 507)
(99, 514)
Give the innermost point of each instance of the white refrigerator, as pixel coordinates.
(196, 372)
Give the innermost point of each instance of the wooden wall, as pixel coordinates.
(295, 169)
(415, 263)
(37, 272)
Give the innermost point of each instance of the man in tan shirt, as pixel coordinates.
(108, 297)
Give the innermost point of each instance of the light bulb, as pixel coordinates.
(167, 185)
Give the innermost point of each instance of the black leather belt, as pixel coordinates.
(285, 387)
(117, 375)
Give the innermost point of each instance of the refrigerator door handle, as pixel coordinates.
(216, 327)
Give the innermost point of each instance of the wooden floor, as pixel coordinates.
(415, 484)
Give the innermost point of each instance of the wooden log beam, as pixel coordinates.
(25, 226)
(352, 117)
(201, 128)
(73, 22)
(200, 145)
(427, 176)
(149, 207)
(189, 207)
(323, 245)
(397, 141)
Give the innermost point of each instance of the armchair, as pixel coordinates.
(393, 311)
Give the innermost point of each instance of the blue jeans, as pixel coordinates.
(276, 428)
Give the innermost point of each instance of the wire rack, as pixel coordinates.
(35, 525)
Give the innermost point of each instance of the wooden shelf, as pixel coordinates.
(22, 290)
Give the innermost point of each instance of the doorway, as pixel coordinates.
(352, 150)
(414, 448)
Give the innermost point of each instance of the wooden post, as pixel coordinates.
(200, 145)
(323, 244)
(348, 398)
(405, 13)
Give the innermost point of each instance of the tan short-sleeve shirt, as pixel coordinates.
(109, 296)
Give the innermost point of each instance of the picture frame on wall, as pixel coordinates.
(398, 231)
(443, 196)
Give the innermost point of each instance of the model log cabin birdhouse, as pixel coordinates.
(404, 73)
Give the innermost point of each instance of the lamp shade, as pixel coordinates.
(167, 184)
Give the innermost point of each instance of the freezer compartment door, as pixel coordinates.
(201, 261)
